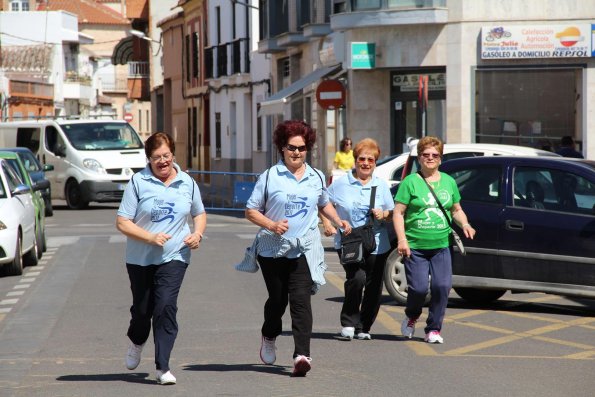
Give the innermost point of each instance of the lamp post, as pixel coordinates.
(142, 35)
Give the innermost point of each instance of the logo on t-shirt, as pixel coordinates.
(296, 206)
(162, 211)
(434, 217)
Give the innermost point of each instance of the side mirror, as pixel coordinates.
(48, 167)
(41, 185)
(21, 189)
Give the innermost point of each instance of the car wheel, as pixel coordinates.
(395, 280)
(49, 210)
(15, 268)
(30, 258)
(39, 240)
(44, 242)
(74, 196)
(479, 296)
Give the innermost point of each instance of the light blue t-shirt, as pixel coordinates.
(352, 201)
(158, 208)
(288, 198)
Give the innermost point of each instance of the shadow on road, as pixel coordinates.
(270, 369)
(138, 377)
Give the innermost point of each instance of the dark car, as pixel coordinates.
(535, 222)
(37, 173)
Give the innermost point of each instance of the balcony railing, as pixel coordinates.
(227, 58)
(31, 89)
(138, 69)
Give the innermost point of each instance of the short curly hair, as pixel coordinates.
(156, 140)
(367, 144)
(290, 128)
(430, 141)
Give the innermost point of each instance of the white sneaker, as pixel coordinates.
(347, 332)
(165, 378)
(434, 337)
(408, 327)
(133, 355)
(267, 350)
(301, 365)
(364, 336)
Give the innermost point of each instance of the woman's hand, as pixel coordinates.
(279, 227)
(403, 248)
(469, 231)
(378, 214)
(328, 228)
(159, 238)
(346, 226)
(193, 240)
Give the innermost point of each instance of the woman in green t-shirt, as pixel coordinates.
(423, 236)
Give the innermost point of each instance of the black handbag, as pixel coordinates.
(361, 242)
(455, 236)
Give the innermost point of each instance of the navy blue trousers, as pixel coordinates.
(423, 263)
(155, 290)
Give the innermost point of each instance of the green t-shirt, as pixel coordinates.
(425, 225)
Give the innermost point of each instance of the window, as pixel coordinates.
(29, 138)
(19, 5)
(528, 107)
(552, 189)
(217, 135)
(195, 55)
(479, 184)
(259, 137)
(366, 4)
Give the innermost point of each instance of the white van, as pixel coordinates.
(93, 159)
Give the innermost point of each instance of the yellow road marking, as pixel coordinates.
(582, 355)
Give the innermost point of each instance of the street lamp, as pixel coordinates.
(142, 35)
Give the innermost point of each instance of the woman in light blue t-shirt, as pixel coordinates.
(153, 215)
(285, 203)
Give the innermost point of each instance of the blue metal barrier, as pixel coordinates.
(224, 191)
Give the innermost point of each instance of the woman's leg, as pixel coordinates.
(417, 270)
(373, 290)
(355, 278)
(275, 272)
(168, 280)
(141, 311)
(441, 282)
(300, 307)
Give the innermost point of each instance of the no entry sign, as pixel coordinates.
(330, 94)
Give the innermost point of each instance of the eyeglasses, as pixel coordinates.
(165, 157)
(370, 160)
(428, 155)
(292, 148)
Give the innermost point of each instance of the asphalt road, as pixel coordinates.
(63, 326)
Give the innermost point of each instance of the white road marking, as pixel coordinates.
(9, 301)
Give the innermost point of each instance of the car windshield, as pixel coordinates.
(15, 166)
(29, 161)
(102, 136)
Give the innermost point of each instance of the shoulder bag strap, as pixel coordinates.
(437, 201)
(372, 201)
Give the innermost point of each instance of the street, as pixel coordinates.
(63, 330)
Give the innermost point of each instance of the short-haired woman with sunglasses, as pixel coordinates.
(351, 197)
(285, 203)
(423, 236)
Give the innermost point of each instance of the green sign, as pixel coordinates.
(363, 55)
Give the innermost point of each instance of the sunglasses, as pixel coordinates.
(370, 160)
(428, 155)
(292, 148)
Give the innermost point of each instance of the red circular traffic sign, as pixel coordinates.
(128, 117)
(330, 94)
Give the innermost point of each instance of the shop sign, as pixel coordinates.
(536, 41)
(363, 55)
(410, 82)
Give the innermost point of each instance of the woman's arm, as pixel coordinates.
(461, 219)
(399, 224)
(330, 213)
(130, 229)
(200, 224)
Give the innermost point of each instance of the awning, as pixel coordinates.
(123, 51)
(274, 104)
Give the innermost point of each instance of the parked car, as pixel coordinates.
(535, 222)
(17, 223)
(37, 173)
(18, 166)
(397, 167)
